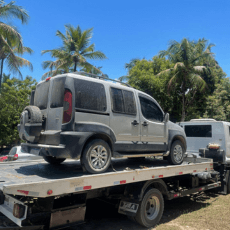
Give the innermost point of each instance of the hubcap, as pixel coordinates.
(98, 157)
(178, 153)
(152, 207)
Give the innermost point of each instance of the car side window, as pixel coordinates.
(13, 151)
(150, 110)
(89, 96)
(123, 101)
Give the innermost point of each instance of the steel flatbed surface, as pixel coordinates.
(40, 179)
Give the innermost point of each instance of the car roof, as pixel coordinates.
(104, 82)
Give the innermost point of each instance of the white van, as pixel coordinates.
(209, 136)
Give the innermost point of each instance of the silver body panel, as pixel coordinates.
(220, 135)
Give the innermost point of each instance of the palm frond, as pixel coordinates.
(164, 71)
(10, 10)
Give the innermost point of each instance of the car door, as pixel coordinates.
(124, 118)
(153, 127)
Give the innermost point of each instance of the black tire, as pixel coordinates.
(98, 150)
(53, 160)
(150, 209)
(228, 182)
(34, 114)
(176, 158)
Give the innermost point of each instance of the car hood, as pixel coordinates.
(174, 126)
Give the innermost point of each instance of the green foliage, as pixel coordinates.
(187, 72)
(183, 82)
(218, 104)
(143, 76)
(14, 97)
(74, 53)
(11, 45)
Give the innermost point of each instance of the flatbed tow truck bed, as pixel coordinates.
(35, 179)
(41, 180)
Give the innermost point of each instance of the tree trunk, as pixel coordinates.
(1, 72)
(75, 67)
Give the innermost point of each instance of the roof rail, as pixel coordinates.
(203, 119)
(101, 77)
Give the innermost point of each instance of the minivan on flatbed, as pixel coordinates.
(80, 117)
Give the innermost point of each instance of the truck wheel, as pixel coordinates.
(34, 114)
(228, 182)
(176, 155)
(150, 208)
(96, 157)
(53, 160)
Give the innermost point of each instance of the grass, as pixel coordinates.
(207, 211)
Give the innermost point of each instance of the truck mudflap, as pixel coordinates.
(128, 207)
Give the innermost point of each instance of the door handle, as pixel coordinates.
(135, 123)
(145, 123)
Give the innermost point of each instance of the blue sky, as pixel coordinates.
(126, 29)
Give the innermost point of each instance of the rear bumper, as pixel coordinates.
(70, 145)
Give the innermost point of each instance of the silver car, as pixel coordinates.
(82, 117)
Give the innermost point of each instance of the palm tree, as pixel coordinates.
(75, 51)
(188, 57)
(10, 39)
(131, 64)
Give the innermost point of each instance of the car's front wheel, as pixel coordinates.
(96, 157)
(177, 152)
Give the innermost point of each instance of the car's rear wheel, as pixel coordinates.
(96, 157)
(53, 160)
(177, 152)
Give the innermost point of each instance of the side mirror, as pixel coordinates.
(166, 117)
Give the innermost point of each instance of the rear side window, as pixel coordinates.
(123, 101)
(57, 95)
(198, 130)
(150, 110)
(89, 96)
(41, 95)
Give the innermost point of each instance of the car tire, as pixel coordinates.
(177, 152)
(53, 160)
(150, 209)
(96, 157)
(34, 114)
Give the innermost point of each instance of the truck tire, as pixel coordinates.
(53, 160)
(177, 152)
(150, 208)
(228, 182)
(34, 114)
(96, 157)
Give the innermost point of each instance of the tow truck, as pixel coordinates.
(36, 195)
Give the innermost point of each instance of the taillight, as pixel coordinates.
(67, 107)
(15, 157)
